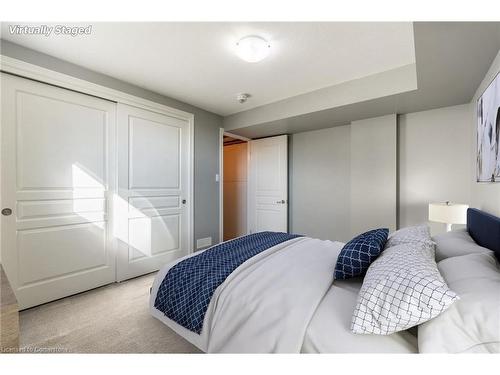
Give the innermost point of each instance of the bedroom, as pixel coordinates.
(359, 214)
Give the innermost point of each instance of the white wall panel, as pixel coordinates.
(320, 181)
(373, 174)
(434, 162)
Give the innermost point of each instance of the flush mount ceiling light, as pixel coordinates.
(252, 48)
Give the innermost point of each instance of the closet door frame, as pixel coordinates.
(35, 72)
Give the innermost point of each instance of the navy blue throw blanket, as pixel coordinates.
(186, 290)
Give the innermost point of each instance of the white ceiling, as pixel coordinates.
(195, 62)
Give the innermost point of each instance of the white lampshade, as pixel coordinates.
(449, 213)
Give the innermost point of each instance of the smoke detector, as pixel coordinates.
(242, 98)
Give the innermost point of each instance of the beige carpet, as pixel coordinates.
(111, 319)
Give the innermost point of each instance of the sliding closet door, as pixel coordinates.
(57, 171)
(151, 209)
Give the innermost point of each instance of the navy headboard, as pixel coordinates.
(484, 228)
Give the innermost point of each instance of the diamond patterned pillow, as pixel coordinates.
(357, 255)
(401, 289)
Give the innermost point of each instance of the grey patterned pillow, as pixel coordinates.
(401, 289)
(418, 235)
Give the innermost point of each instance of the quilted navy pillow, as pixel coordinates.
(357, 255)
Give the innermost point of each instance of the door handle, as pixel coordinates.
(281, 201)
(6, 211)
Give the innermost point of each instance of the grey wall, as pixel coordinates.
(437, 153)
(438, 160)
(319, 183)
(434, 162)
(206, 133)
(451, 60)
(373, 174)
(363, 89)
(343, 179)
(484, 195)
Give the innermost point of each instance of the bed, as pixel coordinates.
(284, 299)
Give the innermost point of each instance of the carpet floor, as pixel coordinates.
(111, 319)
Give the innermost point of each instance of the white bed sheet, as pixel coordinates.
(328, 328)
(201, 341)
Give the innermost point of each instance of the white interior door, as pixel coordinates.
(151, 209)
(268, 185)
(57, 171)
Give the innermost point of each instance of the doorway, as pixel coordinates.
(234, 186)
(253, 189)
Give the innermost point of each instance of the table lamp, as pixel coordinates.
(448, 213)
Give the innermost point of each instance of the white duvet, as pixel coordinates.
(268, 303)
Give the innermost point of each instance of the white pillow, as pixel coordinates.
(416, 235)
(456, 243)
(473, 323)
(401, 289)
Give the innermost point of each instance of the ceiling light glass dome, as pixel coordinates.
(253, 48)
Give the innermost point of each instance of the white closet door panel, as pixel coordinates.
(151, 220)
(64, 148)
(164, 235)
(76, 247)
(154, 144)
(28, 195)
(59, 221)
(152, 205)
(46, 208)
(57, 171)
